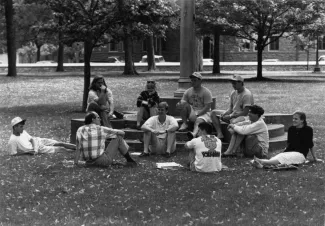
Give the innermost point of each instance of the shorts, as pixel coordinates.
(206, 117)
(45, 146)
(288, 158)
(253, 147)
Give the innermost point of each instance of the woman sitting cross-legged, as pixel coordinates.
(147, 103)
(300, 142)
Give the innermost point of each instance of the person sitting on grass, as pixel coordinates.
(20, 142)
(91, 139)
(147, 103)
(205, 150)
(253, 132)
(240, 99)
(160, 133)
(195, 105)
(299, 144)
(100, 100)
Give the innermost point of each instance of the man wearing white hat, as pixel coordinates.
(240, 100)
(195, 105)
(20, 142)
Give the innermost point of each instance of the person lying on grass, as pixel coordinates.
(160, 133)
(250, 137)
(299, 144)
(91, 139)
(205, 150)
(20, 142)
(147, 103)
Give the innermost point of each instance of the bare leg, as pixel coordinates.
(171, 141)
(106, 122)
(236, 140)
(267, 161)
(146, 141)
(139, 115)
(185, 112)
(216, 123)
(196, 126)
(66, 145)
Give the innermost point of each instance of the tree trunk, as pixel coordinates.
(151, 54)
(317, 68)
(38, 53)
(216, 52)
(88, 48)
(198, 54)
(11, 38)
(259, 61)
(59, 66)
(129, 68)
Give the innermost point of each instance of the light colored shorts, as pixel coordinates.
(206, 117)
(288, 158)
(45, 146)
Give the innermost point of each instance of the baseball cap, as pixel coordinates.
(196, 75)
(17, 120)
(237, 78)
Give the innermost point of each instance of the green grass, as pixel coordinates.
(40, 190)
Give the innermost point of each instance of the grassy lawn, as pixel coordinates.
(41, 190)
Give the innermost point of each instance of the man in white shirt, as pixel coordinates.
(205, 150)
(20, 142)
(160, 133)
(253, 131)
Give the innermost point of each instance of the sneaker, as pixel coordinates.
(190, 135)
(183, 127)
(143, 154)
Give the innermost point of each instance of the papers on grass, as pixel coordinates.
(135, 153)
(168, 165)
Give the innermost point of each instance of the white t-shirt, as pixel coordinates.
(153, 122)
(20, 144)
(207, 153)
(93, 96)
(238, 101)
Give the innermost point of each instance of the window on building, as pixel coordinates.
(321, 43)
(113, 46)
(274, 45)
(244, 45)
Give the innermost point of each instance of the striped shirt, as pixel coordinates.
(91, 140)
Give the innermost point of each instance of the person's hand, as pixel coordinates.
(103, 88)
(110, 114)
(318, 160)
(156, 132)
(103, 108)
(121, 133)
(225, 117)
(145, 102)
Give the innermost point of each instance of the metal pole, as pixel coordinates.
(187, 46)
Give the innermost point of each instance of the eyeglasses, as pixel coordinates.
(153, 82)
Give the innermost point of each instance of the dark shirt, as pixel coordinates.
(153, 98)
(300, 139)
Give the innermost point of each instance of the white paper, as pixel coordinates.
(166, 165)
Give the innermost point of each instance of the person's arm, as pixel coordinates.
(173, 125)
(140, 99)
(147, 127)
(77, 154)
(33, 141)
(183, 100)
(189, 145)
(248, 129)
(314, 156)
(242, 113)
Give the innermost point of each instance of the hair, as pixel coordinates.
(151, 85)
(163, 105)
(302, 116)
(207, 127)
(255, 109)
(96, 78)
(89, 117)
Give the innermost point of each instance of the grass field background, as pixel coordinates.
(40, 190)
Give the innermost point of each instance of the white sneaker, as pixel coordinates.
(183, 127)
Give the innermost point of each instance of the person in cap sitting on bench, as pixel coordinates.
(20, 142)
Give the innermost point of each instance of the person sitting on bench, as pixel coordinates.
(21, 142)
(299, 144)
(250, 137)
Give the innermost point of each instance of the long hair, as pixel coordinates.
(96, 78)
(302, 116)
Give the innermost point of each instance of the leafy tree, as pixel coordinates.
(210, 20)
(265, 21)
(140, 19)
(86, 21)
